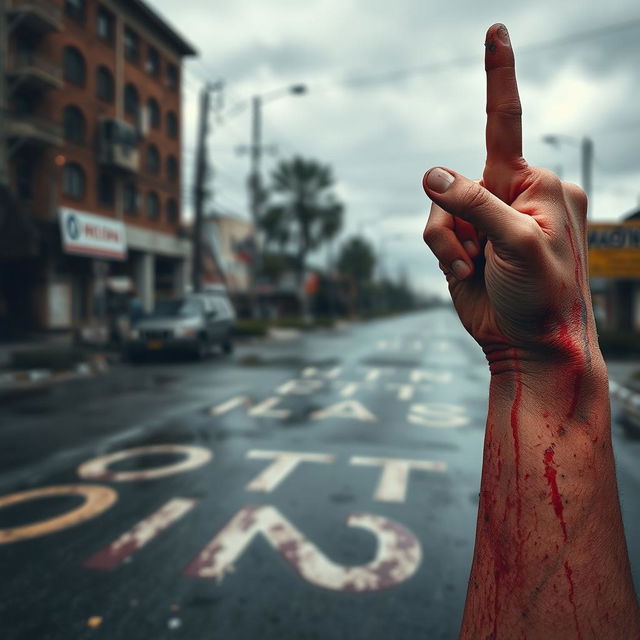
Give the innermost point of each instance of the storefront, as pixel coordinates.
(614, 270)
(101, 269)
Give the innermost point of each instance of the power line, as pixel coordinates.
(401, 73)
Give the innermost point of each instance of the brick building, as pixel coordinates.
(93, 150)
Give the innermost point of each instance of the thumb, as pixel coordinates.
(470, 201)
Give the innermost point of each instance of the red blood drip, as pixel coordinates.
(550, 474)
(515, 430)
(569, 573)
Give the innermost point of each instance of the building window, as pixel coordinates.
(104, 84)
(130, 198)
(74, 124)
(153, 159)
(153, 205)
(153, 109)
(131, 101)
(172, 76)
(172, 211)
(73, 181)
(172, 125)
(131, 45)
(74, 66)
(106, 189)
(153, 61)
(75, 9)
(105, 25)
(172, 168)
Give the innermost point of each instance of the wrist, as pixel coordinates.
(565, 385)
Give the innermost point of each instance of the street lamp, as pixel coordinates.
(586, 156)
(256, 148)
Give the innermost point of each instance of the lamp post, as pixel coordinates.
(254, 182)
(586, 157)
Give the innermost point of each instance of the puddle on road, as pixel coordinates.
(256, 360)
(378, 361)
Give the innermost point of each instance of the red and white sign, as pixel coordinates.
(86, 234)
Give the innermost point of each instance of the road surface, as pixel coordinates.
(317, 486)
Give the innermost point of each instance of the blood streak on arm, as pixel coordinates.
(550, 474)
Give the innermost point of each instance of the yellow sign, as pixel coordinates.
(614, 250)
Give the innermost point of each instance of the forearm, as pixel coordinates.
(550, 558)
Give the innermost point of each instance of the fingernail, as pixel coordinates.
(503, 35)
(460, 269)
(471, 247)
(439, 180)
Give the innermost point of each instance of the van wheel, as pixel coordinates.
(227, 347)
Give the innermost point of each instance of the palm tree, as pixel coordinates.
(305, 213)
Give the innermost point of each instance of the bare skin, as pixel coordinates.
(550, 558)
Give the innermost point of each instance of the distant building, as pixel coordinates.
(614, 270)
(93, 150)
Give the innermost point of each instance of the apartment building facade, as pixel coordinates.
(93, 152)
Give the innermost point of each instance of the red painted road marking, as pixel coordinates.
(397, 558)
(140, 535)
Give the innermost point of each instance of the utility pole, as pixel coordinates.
(586, 155)
(199, 187)
(255, 191)
(4, 171)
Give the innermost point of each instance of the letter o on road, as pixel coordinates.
(96, 500)
(98, 468)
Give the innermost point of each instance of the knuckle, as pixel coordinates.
(529, 236)
(475, 196)
(508, 108)
(577, 198)
(433, 235)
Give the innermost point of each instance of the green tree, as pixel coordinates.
(305, 213)
(357, 259)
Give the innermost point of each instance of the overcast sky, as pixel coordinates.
(398, 87)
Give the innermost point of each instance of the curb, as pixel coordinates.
(17, 381)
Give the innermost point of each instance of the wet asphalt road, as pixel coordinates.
(322, 486)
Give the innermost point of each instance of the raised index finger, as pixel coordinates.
(504, 113)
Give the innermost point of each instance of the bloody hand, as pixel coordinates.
(512, 246)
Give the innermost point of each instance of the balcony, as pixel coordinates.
(27, 129)
(32, 71)
(40, 16)
(117, 145)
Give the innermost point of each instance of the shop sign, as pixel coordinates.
(86, 234)
(614, 250)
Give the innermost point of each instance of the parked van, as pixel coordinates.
(192, 324)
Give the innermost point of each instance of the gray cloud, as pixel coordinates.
(381, 136)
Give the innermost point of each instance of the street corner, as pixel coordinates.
(15, 382)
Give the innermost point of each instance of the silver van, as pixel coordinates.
(192, 324)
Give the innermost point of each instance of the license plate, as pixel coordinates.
(154, 344)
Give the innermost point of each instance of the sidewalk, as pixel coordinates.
(17, 380)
